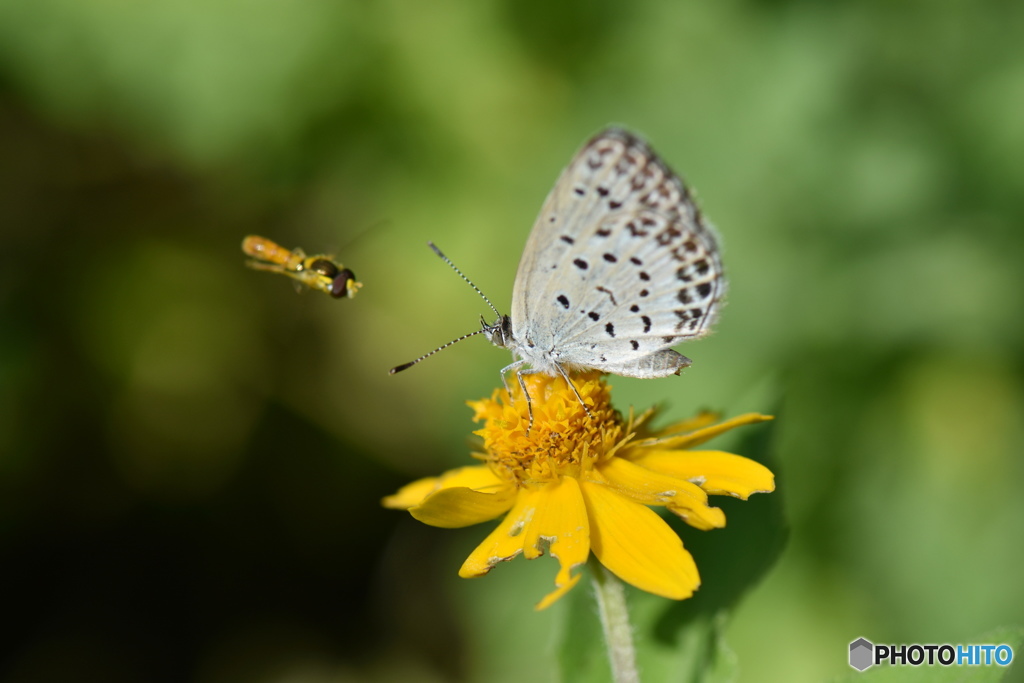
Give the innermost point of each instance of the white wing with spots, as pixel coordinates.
(620, 266)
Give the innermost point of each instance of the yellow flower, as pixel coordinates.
(575, 483)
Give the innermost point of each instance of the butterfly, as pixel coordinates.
(317, 272)
(620, 266)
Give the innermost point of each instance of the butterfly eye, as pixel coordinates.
(339, 287)
(324, 267)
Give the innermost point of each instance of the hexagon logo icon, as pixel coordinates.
(861, 651)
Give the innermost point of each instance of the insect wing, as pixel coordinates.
(620, 264)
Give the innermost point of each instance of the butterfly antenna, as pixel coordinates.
(406, 366)
(468, 281)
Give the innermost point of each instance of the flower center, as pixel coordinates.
(564, 440)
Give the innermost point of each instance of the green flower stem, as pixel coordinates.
(618, 634)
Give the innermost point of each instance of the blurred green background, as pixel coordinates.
(192, 454)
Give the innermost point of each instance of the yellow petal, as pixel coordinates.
(477, 477)
(649, 487)
(716, 472)
(699, 436)
(698, 421)
(559, 521)
(637, 545)
(452, 508)
(502, 544)
(411, 494)
(563, 588)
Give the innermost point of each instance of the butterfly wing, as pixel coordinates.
(619, 267)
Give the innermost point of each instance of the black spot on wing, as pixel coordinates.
(562, 299)
(689, 319)
(610, 329)
(581, 264)
(611, 295)
(666, 236)
(635, 230)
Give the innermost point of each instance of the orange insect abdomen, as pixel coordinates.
(266, 250)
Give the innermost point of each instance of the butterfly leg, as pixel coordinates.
(569, 381)
(522, 385)
(529, 402)
(507, 369)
